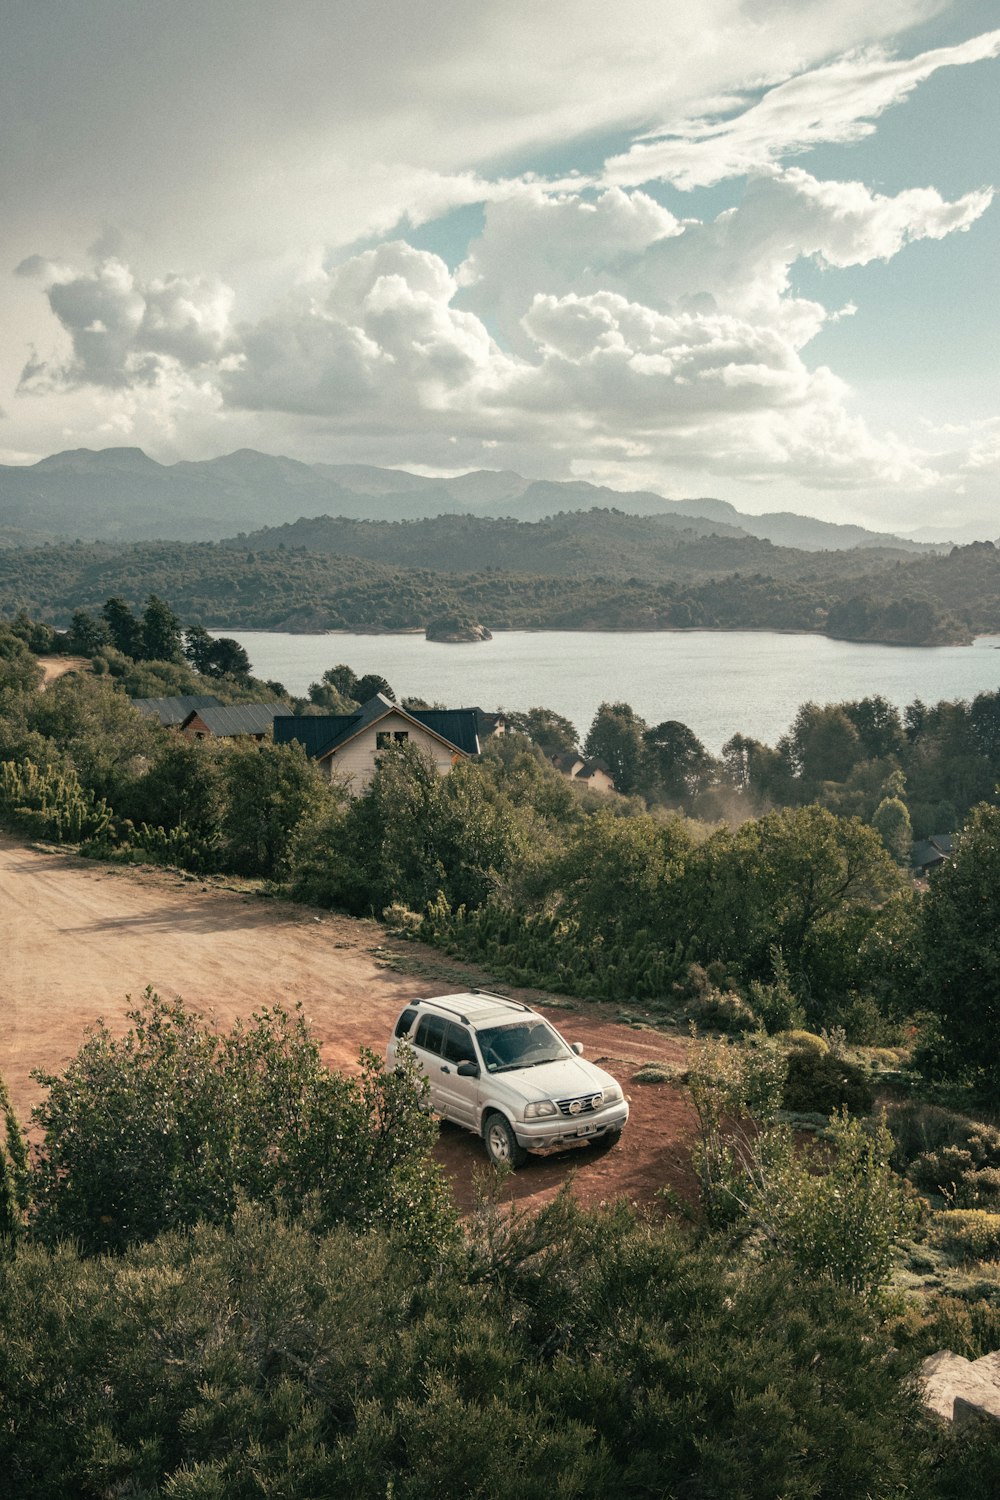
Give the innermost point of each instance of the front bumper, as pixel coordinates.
(539, 1135)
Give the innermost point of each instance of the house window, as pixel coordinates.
(383, 739)
(401, 736)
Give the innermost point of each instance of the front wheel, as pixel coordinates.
(605, 1142)
(501, 1142)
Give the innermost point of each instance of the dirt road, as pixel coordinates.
(54, 667)
(77, 937)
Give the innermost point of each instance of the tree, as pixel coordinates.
(891, 822)
(222, 657)
(123, 627)
(616, 737)
(269, 790)
(545, 728)
(960, 946)
(879, 726)
(199, 647)
(19, 671)
(824, 744)
(780, 882)
(371, 683)
(160, 632)
(87, 635)
(228, 659)
(613, 876)
(677, 759)
(108, 741)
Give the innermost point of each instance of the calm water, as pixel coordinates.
(717, 682)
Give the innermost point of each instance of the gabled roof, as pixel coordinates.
(318, 734)
(322, 734)
(238, 718)
(459, 726)
(927, 854)
(593, 768)
(173, 711)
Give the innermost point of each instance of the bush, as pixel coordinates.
(970, 1234)
(723, 1010)
(568, 1353)
(840, 1219)
(820, 1082)
(947, 1153)
(806, 1041)
(172, 1123)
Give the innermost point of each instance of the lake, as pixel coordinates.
(717, 682)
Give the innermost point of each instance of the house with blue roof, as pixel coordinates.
(348, 745)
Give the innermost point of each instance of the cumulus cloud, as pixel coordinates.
(837, 103)
(374, 339)
(581, 324)
(124, 332)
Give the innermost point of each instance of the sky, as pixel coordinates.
(742, 248)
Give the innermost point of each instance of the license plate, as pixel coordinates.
(586, 1129)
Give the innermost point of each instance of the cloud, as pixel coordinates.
(837, 103)
(579, 324)
(124, 332)
(375, 340)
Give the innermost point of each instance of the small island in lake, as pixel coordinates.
(457, 629)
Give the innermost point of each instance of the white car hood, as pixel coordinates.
(568, 1078)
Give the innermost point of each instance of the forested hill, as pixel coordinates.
(122, 495)
(573, 544)
(853, 596)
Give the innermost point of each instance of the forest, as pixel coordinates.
(227, 1270)
(588, 571)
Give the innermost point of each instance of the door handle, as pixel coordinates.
(446, 1069)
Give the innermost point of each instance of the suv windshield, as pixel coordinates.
(523, 1045)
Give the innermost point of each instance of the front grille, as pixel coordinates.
(584, 1105)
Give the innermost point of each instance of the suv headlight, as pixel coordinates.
(612, 1094)
(543, 1107)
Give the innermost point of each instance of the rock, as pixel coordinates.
(457, 632)
(961, 1390)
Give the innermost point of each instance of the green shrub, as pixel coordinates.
(820, 1082)
(840, 1218)
(969, 1233)
(175, 1121)
(723, 1010)
(563, 1353)
(807, 1041)
(652, 1072)
(948, 1154)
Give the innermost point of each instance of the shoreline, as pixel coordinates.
(501, 630)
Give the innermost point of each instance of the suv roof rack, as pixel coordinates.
(493, 994)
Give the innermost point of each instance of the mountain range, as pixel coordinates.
(123, 495)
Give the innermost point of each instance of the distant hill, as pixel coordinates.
(572, 544)
(122, 495)
(702, 582)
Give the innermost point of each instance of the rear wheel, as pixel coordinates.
(605, 1142)
(501, 1142)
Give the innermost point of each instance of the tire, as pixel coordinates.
(501, 1143)
(606, 1142)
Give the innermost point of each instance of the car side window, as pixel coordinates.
(405, 1021)
(458, 1044)
(430, 1034)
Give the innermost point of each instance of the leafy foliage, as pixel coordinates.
(170, 1124)
(592, 1352)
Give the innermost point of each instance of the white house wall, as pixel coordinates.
(355, 762)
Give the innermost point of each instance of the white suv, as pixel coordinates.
(501, 1070)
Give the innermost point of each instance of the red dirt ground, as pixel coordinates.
(77, 937)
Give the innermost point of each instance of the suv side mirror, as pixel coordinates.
(577, 1047)
(467, 1069)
